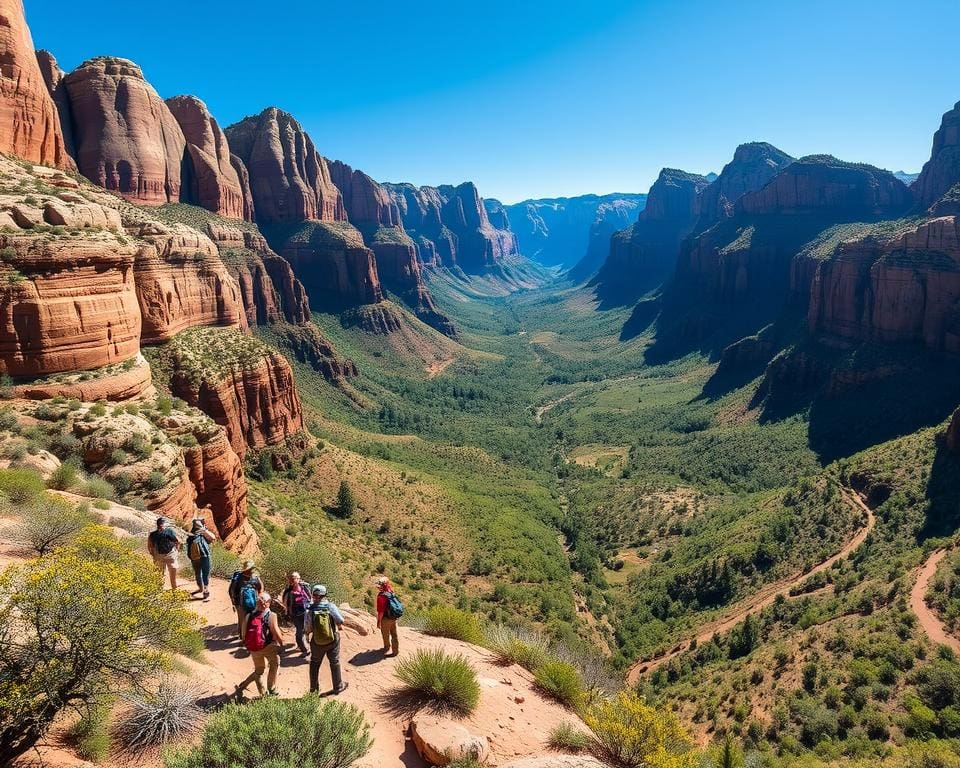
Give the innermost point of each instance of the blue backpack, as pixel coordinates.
(242, 591)
(394, 606)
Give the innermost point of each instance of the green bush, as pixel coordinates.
(447, 621)
(561, 681)
(280, 733)
(48, 524)
(346, 504)
(446, 679)
(313, 561)
(566, 737)
(156, 480)
(64, 477)
(117, 457)
(21, 485)
(90, 735)
(98, 488)
(510, 646)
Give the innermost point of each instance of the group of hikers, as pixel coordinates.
(317, 621)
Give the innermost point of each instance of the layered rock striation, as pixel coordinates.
(942, 170)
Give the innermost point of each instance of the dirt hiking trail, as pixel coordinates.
(929, 621)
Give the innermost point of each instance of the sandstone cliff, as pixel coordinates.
(374, 212)
(642, 255)
(210, 178)
(289, 180)
(125, 137)
(29, 124)
(53, 78)
(942, 170)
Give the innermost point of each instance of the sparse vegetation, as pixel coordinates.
(445, 680)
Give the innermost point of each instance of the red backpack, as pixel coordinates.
(258, 631)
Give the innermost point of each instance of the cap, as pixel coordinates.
(320, 590)
(161, 521)
(246, 565)
(383, 580)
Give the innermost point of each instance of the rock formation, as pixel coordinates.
(642, 255)
(942, 170)
(126, 139)
(309, 346)
(451, 228)
(952, 436)
(210, 177)
(373, 211)
(53, 78)
(289, 180)
(753, 165)
(562, 232)
(182, 283)
(29, 124)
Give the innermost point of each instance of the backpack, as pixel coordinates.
(197, 547)
(258, 631)
(394, 608)
(301, 600)
(242, 592)
(324, 633)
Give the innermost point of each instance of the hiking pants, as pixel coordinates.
(298, 622)
(267, 659)
(201, 570)
(167, 565)
(388, 629)
(241, 615)
(332, 652)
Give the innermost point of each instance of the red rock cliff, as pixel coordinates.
(126, 139)
(210, 178)
(753, 165)
(289, 179)
(29, 124)
(942, 170)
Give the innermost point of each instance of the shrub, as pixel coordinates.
(91, 733)
(566, 737)
(63, 477)
(447, 621)
(49, 524)
(64, 445)
(280, 733)
(122, 483)
(139, 446)
(632, 734)
(310, 559)
(156, 480)
(80, 624)
(160, 714)
(21, 485)
(98, 488)
(561, 680)
(443, 678)
(117, 456)
(346, 504)
(511, 646)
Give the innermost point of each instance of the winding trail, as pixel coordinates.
(929, 621)
(761, 599)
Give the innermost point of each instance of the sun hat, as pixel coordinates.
(319, 589)
(383, 580)
(246, 565)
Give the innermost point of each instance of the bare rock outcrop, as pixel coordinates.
(942, 170)
(308, 345)
(29, 123)
(53, 78)
(126, 139)
(210, 177)
(289, 179)
(181, 282)
(440, 740)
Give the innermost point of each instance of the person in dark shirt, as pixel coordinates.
(164, 546)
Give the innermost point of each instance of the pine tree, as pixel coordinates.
(345, 501)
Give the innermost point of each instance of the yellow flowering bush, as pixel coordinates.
(81, 620)
(633, 734)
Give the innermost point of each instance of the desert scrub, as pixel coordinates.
(634, 735)
(448, 681)
(561, 681)
(47, 524)
(90, 735)
(160, 713)
(516, 646)
(21, 486)
(313, 561)
(447, 621)
(280, 733)
(210, 354)
(566, 737)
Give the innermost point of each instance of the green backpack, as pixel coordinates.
(324, 632)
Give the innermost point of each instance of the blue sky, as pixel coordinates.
(531, 98)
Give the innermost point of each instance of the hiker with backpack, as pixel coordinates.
(245, 588)
(323, 623)
(262, 637)
(296, 600)
(163, 546)
(389, 609)
(198, 550)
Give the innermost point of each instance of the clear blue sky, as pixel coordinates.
(537, 98)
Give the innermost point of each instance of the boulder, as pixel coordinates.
(210, 177)
(29, 124)
(361, 622)
(440, 740)
(126, 138)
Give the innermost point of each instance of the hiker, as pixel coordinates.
(198, 550)
(245, 587)
(323, 624)
(389, 609)
(163, 546)
(296, 599)
(262, 637)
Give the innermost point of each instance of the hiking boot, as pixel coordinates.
(273, 693)
(340, 689)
